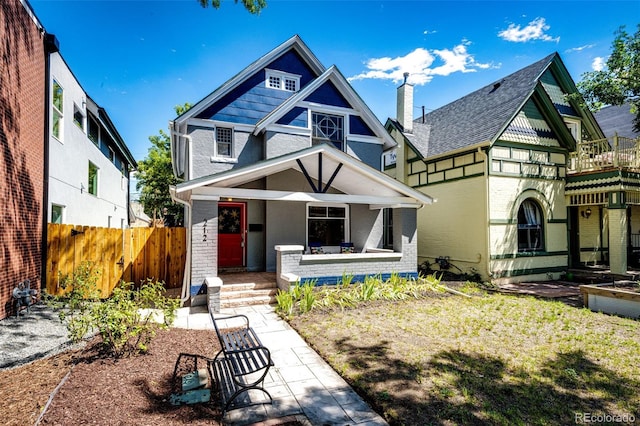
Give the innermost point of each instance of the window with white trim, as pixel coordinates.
(92, 187)
(574, 128)
(58, 107)
(78, 117)
(387, 232)
(282, 81)
(327, 128)
(327, 225)
(530, 229)
(224, 142)
(57, 213)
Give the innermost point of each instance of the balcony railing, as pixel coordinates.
(613, 152)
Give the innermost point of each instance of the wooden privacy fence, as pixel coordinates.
(130, 255)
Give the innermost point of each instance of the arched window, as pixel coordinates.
(530, 229)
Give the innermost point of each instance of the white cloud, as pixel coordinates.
(580, 48)
(535, 30)
(427, 32)
(598, 63)
(420, 65)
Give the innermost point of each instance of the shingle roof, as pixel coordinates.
(618, 119)
(480, 116)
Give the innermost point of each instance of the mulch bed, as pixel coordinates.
(133, 390)
(106, 391)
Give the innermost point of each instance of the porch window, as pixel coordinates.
(327, 225)
(530, 230)
(327, 128)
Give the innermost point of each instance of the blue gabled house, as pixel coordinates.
(281, 169)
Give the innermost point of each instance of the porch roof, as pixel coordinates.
(332, 176)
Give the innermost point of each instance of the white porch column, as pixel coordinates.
(618, 240)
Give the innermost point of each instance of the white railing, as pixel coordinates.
(614, 152)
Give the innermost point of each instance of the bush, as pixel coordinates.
(127, 321)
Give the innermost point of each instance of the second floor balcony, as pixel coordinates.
(615, 152)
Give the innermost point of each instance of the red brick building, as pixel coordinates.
(22, 148)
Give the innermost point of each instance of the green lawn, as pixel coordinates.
(489, 359)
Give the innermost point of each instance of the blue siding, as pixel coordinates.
(334, 280)
(296, 117)
(251, 101)
(292, 63)
(357, 126)
(327, 94)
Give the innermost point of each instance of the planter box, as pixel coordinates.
(611, 300)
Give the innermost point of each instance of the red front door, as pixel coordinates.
(231, 233)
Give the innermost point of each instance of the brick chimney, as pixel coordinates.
(404, 109)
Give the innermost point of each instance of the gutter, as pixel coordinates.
(51, 45)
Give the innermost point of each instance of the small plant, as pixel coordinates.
(127, 321)
(285, 302)
(308, 297)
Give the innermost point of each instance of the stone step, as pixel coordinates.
(247, 286)
(247, 301)
(242, 294)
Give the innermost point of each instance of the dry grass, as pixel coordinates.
(492, 359)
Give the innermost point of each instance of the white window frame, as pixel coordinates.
(82, 125)
(575, 128)
(329, 249)
(219, 156)
(283, 78)
(62, 213)
(56, 110)
(315, 140)
(97, 183)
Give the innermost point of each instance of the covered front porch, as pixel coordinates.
(603, 198)
(316, 214)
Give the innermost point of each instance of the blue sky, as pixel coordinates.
(138, 59)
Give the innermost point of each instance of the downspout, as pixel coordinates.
(186, 280)
(51, 45)
(487, 211)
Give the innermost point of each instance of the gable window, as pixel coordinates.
(78, 117)
(574, 128)
(92, 188)
(58, 101)
(224, 142)
(327, 128)
(530, 229)
(327, 225)
(282, 81)
(93, 131)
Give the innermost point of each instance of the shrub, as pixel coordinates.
(127, 321)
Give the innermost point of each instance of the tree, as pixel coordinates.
(155, 175)
(618, 82)
(253, 6)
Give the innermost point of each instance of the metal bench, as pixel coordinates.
(242, 364)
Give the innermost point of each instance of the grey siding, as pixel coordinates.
(368, 153)
(277, 144)
(286, 224)
(204, 241)
(247, 150)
